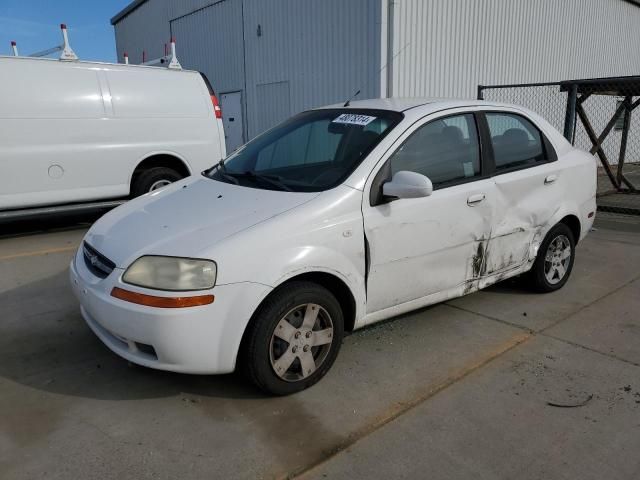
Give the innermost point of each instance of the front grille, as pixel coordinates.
(97, 263)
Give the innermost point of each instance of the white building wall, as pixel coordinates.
(146, 28)
(210, 40)
(320, 51)
(445, 48)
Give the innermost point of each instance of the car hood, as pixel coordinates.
(185, 218)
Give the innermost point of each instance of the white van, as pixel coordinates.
(74, 131)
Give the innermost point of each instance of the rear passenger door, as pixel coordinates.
(527, 192)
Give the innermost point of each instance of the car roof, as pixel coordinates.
(403, 104)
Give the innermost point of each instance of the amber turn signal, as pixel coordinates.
(161, 302)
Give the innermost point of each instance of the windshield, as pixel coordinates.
(310, 152)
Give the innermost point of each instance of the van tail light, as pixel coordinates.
(216, 106)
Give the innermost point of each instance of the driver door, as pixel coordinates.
(433, 245)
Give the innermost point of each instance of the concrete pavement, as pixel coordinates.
(452, 391)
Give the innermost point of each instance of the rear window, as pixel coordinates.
(154, 92)
(516, 141)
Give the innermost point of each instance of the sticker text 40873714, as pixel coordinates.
(354, 119)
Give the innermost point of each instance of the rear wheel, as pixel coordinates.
(153, 179)
(554, 262)
(294, 338)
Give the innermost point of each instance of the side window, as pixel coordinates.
(516, 141)
(445, 150)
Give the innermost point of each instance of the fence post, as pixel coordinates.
(625, 135)
(480, 96)
(570, 117)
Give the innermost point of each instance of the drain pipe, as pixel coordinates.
(389, 63)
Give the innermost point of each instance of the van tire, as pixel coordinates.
(257, 352)
(146, 180)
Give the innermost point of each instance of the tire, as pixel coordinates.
(264, 350)
(550, 270)
(149, 180)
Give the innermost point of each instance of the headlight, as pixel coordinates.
(171, 273)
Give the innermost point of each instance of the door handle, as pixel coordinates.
(475, 199)
(550, 179)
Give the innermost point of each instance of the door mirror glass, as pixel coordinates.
(406, 184)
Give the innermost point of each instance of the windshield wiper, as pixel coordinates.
(270, 179)
(222, 169)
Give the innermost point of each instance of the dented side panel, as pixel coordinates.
(525, 202)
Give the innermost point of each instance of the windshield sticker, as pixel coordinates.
(354, 119)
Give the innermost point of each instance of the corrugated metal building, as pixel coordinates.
(269, 59)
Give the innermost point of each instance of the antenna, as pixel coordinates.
(67, 52)
(14, 47)
(346, 104)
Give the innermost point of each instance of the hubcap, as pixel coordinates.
(159, 184)
(556, 259)
(301, 342)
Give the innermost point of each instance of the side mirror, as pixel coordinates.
(406, 184)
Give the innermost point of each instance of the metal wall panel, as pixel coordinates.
(210, 40)
(146, 28)
(325, 49)
(179, 8)
(273, 104)
(447, 47)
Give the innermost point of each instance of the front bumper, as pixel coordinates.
(201, 339)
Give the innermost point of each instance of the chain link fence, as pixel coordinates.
(600, 116)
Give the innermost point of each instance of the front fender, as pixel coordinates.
(312, 259)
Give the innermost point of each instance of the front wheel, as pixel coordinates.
(293, 339)
(554, 262)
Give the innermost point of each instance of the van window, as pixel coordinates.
(155, 92)
(48, 89)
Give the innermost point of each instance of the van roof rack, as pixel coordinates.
(169, 59)
(65, 48)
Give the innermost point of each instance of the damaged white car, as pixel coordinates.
(335, 219)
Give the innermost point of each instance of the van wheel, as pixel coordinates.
(293, 339)
(153, 179)
(554, 262)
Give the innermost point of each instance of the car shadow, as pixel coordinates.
(45, 344)
(511, 286)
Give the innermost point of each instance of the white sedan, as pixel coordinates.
(335, 219)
